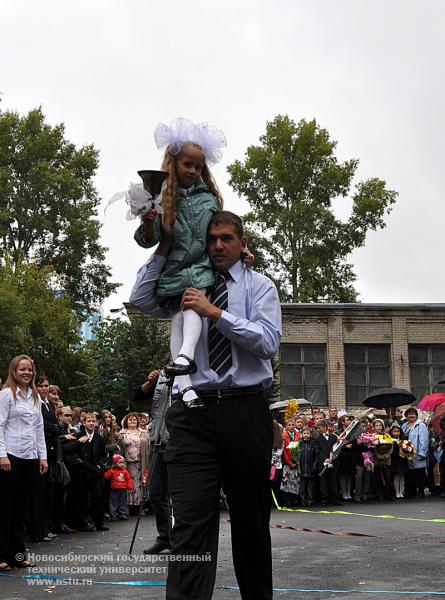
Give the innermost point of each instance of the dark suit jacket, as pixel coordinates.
(51, 428)
(93, 454)
(324, 447)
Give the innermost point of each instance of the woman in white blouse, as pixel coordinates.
(22, 457)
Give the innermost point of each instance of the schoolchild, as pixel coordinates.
(120, 483)
(328, 476)
(91, 450)
(189, 199)
(308, 466)
(399, 464)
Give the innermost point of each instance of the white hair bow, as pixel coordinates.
(181, 131)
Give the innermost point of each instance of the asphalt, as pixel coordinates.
(381, 550)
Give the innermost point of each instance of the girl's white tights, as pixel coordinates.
(185, 331)
(399, 485)
(345, 486)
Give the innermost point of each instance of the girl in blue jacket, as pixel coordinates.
(189, 199)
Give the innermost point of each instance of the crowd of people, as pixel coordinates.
(381, 459)
(65, 468)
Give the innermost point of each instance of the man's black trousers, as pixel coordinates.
(228, 444)
(158, 493)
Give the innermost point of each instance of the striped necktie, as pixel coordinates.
(220, 350)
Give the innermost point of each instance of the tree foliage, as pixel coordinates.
(35, 321)
(48, 205)
(290, 182)
(122, 355)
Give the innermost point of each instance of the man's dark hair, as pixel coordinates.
(225, 217)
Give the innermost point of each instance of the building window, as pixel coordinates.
(368, 368)
(426, 366)
(303, 372)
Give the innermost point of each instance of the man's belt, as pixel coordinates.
(226, 393)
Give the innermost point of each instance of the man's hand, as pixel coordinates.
(151, 379)
(197, 301)
(5, 464)
(43, 466)
(153, 375)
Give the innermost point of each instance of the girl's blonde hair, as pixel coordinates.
(172, 187)
(11, 381)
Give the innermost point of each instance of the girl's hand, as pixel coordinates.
(5, 464)
(43, 467)
(248, 258)
(149, 216)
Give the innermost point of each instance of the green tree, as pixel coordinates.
(290, 181)
(121, 356)
(35, 321)
(48, 205)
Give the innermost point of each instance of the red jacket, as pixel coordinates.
(287, 452)
(120, 479)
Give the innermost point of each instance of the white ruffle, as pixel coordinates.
(139, 201)
(181, 131)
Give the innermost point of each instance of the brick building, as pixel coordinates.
(334, 354)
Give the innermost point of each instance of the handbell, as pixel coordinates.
(153, 181)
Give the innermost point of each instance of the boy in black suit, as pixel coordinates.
(92, 452)
(328, 481)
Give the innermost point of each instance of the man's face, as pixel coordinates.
(224, 245)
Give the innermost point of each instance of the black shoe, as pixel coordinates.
(157, 548)
(86, 527)
(175, 370)
(102, 528)
(24, 564)
(65, 529)
(195, 403)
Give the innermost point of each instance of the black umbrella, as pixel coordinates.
(386, 397)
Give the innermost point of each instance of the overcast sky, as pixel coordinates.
(370, 71)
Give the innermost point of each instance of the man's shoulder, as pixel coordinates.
(259, 278)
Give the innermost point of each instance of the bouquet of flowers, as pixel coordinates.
(291, 408)
(366, 439)
(295, 451)
(368, 463)
(383, 445)
(406, 449)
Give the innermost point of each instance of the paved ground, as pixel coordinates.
(399, 555)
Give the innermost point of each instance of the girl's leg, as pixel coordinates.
(176, 334)
(185, 331)
(192, 327)
(348, 486)
(343, 490)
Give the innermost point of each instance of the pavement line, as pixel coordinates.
(234, 587)
(354, 514)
